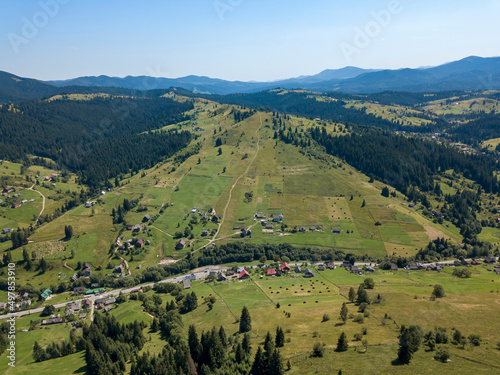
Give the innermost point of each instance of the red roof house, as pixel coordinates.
(285, 267)
(270, 272)
(243, 275)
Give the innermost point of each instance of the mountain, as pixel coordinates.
(470, 73)
(14, 88)
(207, 85)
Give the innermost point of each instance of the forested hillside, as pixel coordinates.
(98, 138)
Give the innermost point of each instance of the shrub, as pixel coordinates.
(442, 355)
(438, 291)
(359, 319)
(318, 350)
(326, 318)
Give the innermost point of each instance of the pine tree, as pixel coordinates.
(344, 312)
(258, 366)
(352, 295)
(362, 295)
(194, 344)
(342, 344)
(409, 342)
(245, 321)
(280, 337)
(37, 352)
(246, 344)
(276, 364)
(154, 325)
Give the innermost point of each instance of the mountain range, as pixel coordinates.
(471, 73)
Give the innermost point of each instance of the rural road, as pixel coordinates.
(43, 203)
(199, 276)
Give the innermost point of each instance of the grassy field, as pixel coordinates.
(405, 299)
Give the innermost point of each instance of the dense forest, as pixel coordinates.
(477, 131)
(403, 162)
(98, 138)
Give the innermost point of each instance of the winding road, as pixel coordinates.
(43, 202)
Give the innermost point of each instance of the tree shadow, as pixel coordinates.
(398, 362)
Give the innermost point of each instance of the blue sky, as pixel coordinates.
(238, 39)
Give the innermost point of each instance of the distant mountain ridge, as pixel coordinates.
(470, 73)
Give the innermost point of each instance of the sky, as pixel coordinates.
(247, 40)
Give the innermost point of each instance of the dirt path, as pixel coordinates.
(236, 183)
(68, 267)
(124, 261)
(43, 203)
(152, 226)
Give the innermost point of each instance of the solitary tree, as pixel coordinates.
(343, 312)
(352, 294)
(342, 343)
(368, 283)
(438, 291)
(68, 232)
(362, 295)
(245, 321)
(409, 342)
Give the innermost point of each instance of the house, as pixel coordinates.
(79, 290)
(180, 244)
(3, 306)
(109, 300)
(302, 229)
(346, 265)
(16, 205)
(85, 272)
(243, 275)
(46, 293)
(308, 273)
(321, 267)
(186, 283)
(74, 277)
(457, 263)
(490, 260)
(278, 218)
(25, 302)
(139, 243)
(212, 273)
(52, 321)
(215, 218)
(76, 306)
(129, 227)
(118, 269)
(413, 267)
(147, 243)
(146, 218)
(336, 231)
(82, 316)
(369, 269)
(240, 269)
(355, 269)
(94, 285)
(411, 205)
(269, 226)
(6, 230)
(107, 308)
(70, 312)
(330, 265)
(221, 277)
(230, 273)
(394, 267)
(139, 266)
(464, 262)
(194, 210)
(86, 304)
(298, 269)
(271, 272)
(312, 228)
(137, 228)
(103, 192)
(475, 262)
(205, 233)
(285, 267)
(260, 215)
